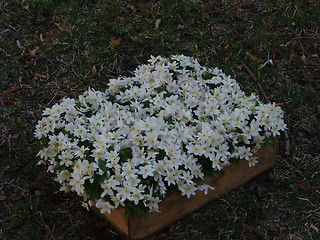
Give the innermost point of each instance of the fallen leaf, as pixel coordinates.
(240, 67)
(47, 231)
(253, 57)
(37, 192)
(301, 184)
(282, 105)
(115, 42)
(51, 37)
(23, 52)
(103, 14)
(282, 229)
(314, 228)
(12, 89)
(227, 59)
(42, 18)
(294, 55)
(48, 49)
(256, 191)
(7, 102)
(130, 6)
(317, 187)
(294, 237)
(227, 46)
(157, 22)
(26, 71)
(40, 75)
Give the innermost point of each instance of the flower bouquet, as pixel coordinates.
(162, 130)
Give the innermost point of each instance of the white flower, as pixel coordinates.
(106, 189)
(153, 204)
(81, 151)
(205, 188)
(253, 161)
(136, 196)
(197, 171)
(243, 152)
(128, 171)
(194, 148)
(188, 189)
(76, 182)
(104, 206)
(66, 158)
(125, 191)
(57, 110)
(63, 175)
(170, 178)
(146, 171)
(159, 167)
(216, 163)
(117, 201)
(187, 176)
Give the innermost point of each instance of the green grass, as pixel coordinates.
(51, 49)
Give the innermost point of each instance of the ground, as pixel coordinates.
(51, 49)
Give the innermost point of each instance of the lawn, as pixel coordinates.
(50, 49)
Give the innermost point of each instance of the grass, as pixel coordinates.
(51, 49)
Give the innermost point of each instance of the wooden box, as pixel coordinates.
(176, 206)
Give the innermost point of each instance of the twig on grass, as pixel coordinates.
(287, 143)
(258, 83)
(303, 57)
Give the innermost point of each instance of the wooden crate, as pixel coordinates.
(176, 206)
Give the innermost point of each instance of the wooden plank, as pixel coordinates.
(176, 206)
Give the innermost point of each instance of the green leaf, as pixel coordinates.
(135, 210)
(269, 141)
(212, 174)
(102, 165)
(93, 190)
(44, 141)
(207, 75)
(100, 178)
(161, 154)
(125, 154)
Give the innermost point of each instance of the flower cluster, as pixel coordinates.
(163, 128)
